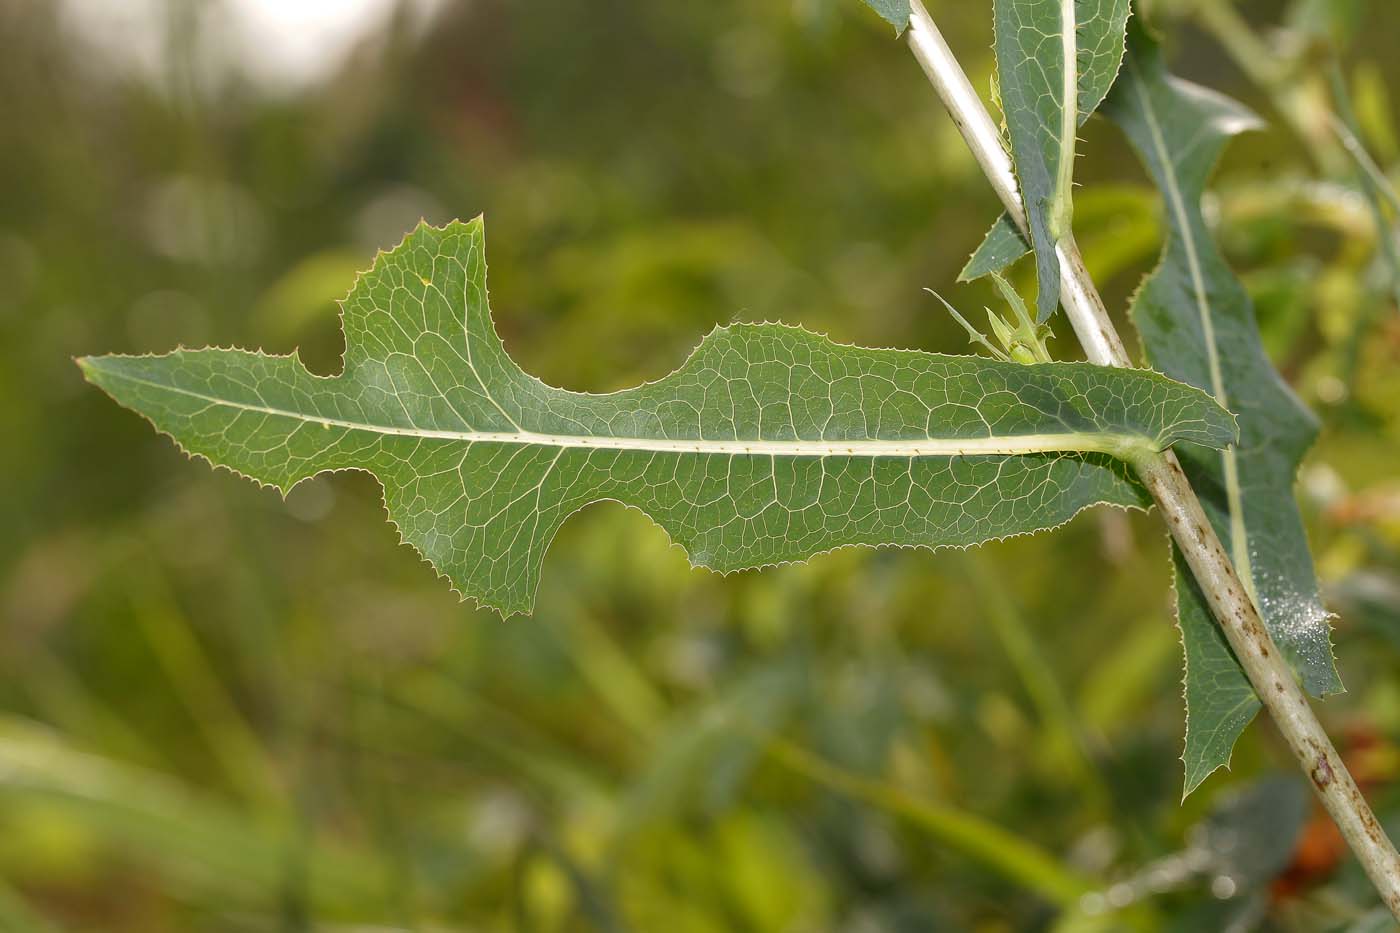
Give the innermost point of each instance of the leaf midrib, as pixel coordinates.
(1122, 445)
(1239, 532)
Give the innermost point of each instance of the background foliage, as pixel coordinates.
(220, 711)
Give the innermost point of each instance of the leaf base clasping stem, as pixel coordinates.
(1267, 669)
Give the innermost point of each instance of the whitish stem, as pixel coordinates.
(1267, 669)
(1078, 295)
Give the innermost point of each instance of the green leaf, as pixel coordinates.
(770, 444)
(1036, 50)
(1102, 42)
(1197, 324)
(1001, 247)
(1056, 59)
(895, 12)
(1042, 138)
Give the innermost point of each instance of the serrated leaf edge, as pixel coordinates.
(85, 364)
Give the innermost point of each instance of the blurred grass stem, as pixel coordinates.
(1052, 706)
(1007, 854)
(1330, 134)
(1302, 104)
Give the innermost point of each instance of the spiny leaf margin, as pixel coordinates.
(1196, 322)
(911, 449)
(1101, 42)
(894, 12)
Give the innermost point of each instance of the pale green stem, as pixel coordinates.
(1363, 159)
(973, 334)
(1268, 671)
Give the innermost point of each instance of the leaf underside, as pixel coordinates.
(1031, 65)
(1197, 324)
(769, 444)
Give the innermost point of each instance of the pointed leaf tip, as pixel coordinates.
(812, 446)
(1179, 131)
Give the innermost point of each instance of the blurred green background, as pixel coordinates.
(222, 711)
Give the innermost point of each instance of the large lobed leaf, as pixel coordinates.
(1197, 324)
(1056, 60)
(769, 444)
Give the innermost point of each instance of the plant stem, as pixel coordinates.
(1267, 669)
(1077, 292)
(1273, 680)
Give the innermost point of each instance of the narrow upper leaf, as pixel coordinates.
(895, 12)
(1197, 324)
(1056, 60)
(1036, 49)
(1102, 42)
(769, 444)
(1002, 246)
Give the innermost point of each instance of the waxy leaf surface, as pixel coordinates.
(1197, 324)
(769, 444)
